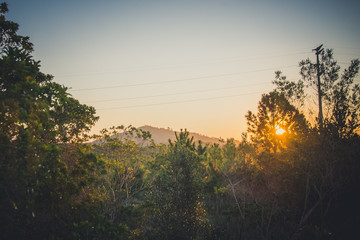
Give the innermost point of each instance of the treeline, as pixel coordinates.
(291, 177)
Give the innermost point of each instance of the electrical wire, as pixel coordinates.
(215, 61)
(179, 80)
(184, 101)
(179, 93)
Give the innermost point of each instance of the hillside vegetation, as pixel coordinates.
(163, 136)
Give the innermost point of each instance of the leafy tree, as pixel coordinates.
(293, 91)
(178, 196)
(340, 94)
(44, 174)
(276, 113)
(128, 175)
(304, 173)
(232, 191)
(9, 37)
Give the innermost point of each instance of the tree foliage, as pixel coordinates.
(340, 94)
(274, 113)
(306, 179)
(178, 195)
(42, 171)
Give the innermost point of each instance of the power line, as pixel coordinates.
(184, 101)
(348, 54)
(180, 93)
(343, 47)
(215, 61)
(179, 80)
(345, 63)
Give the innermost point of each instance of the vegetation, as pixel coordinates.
(289, 178)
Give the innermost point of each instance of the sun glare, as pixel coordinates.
(279, 130)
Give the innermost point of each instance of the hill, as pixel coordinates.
(162, 135)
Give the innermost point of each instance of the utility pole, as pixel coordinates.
(318, 51)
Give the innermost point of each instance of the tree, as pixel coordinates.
(40, 123)
(341, 95)
(312, 177)
(9, 37)
(178, 195)
(276, 113)
(128, 176)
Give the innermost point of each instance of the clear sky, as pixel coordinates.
(198, 64)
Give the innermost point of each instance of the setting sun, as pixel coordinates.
(279, 130)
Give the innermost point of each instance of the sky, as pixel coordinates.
(199, 64)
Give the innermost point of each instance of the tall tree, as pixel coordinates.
(277, 122)
(179, 193)
(341, 95)
(308, 178)
(39, 178)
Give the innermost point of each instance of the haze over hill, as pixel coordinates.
(162, 135)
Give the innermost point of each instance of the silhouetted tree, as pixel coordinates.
(274, 113)
(44, 174)
(341, 95)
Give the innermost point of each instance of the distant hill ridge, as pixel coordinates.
(162, 135)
